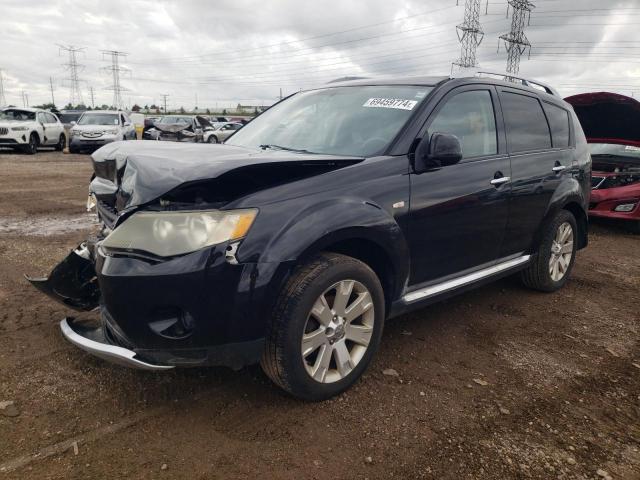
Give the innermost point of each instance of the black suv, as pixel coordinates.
(335, 210)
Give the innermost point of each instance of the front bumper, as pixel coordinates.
(193, 310)
(78, 142)
(94, 342)
(14, 140)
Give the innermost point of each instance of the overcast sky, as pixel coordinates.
(246, 51)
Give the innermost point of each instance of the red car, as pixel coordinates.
(611, 123)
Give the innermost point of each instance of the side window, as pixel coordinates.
(42, 118)
(122, 120)
(51, 118)
(470, 117)
(527, 127)
(559, 123)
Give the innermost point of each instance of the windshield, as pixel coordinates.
(99, 119)
(17, 115)
(355, 121)
(611, 150)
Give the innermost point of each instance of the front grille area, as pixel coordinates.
(4, 130)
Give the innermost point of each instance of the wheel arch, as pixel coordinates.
(582, 221)
(369, 252)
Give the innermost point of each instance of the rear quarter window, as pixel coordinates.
(559, 122)
(527, 127)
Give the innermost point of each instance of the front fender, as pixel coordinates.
(320, 225)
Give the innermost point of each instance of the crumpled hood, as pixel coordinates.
(130, 174)
(608, 117)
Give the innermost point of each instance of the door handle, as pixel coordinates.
(558, 168)
(500, 181)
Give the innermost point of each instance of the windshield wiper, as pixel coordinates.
(279, 147)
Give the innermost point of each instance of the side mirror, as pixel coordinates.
(440, 150)
(127, 124)
(72, 123)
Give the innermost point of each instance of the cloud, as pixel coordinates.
(246, 51)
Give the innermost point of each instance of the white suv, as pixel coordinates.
(95, 128)
(29, 128)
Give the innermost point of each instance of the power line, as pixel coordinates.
(115, 70)
(470, 34)
(75, 94)
(3, 100)
(516, 41)
(164, 99)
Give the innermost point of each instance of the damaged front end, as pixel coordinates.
(73, 281)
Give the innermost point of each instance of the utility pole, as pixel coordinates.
(115, 70)
(516, 41)
(53, 100)
(280, 93)
(470, 35)
(3, 100)
(75, 95)
(25, 99)
(93, 103)
(164, 98)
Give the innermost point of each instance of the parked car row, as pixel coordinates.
(27, 129)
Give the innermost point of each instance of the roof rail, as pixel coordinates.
(509, 77)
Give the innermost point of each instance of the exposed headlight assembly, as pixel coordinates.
(19, 129)
(625, 207)
(167, 234)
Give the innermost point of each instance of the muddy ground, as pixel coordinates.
(498, 383)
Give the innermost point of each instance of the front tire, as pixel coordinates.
(32, 147)
(325, 328)
(212, 139)
(552, 266)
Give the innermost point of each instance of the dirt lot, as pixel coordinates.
(498, 383)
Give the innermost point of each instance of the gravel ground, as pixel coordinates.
(498, 383)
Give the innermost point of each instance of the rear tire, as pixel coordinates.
(551, 267)
(339, 340)
(62, 142)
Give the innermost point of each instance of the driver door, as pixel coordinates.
(458, 213)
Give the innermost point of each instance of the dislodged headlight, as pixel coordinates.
(625, 207)
(167, 234)
(19, 129)
(110, 131)
(73, 132)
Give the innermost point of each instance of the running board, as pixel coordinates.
(432, 290)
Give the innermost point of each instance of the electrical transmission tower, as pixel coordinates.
(75, 94)
(516, 41)
(115, 70)
(470, 35)
(3, 100)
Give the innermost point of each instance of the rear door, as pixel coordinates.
(458, 213)
(538, 162)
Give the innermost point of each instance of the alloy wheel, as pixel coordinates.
(338, 331)
(561, 252)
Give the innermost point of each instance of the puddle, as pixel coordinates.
(46, 226)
